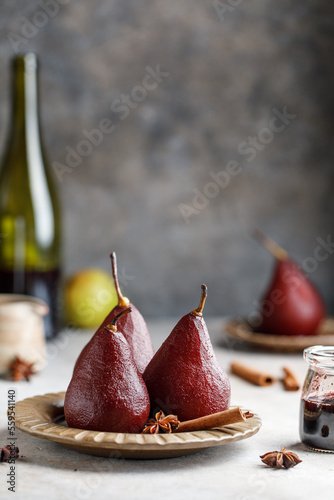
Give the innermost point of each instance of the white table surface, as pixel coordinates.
(232, 471)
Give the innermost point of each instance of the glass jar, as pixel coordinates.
(317, 400)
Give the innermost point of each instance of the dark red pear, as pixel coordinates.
(106, 392)
(133, 325)
(184, 377)
(291, 304)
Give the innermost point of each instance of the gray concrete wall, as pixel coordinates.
(227, 73)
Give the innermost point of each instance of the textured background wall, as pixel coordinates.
(229, 68)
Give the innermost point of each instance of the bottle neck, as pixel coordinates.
(25, 148)
(25, 122)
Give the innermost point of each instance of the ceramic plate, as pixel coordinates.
(43, 417)
(240, 330)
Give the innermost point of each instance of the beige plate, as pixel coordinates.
(43, 417)
(240, 330)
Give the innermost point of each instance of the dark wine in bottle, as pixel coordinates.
(29, 211)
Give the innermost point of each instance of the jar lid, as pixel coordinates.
(320, 355)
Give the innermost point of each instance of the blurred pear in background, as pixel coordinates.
(89, 295)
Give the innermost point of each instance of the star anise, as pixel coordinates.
(278, 459)
(161, 423)
(7, 453)
(20, 369)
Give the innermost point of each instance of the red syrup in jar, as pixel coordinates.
(317, 422)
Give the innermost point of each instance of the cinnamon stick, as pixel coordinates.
(254, 376)
(290, 380)
(227, 417)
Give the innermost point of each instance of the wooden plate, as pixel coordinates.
(239, 329)
(43, 417)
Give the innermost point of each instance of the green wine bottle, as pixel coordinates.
(29, 211)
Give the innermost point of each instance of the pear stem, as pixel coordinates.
(270, 245)
(122, 301)
(198, 311)
(112, 326)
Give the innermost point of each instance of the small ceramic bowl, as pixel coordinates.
(22, 330)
